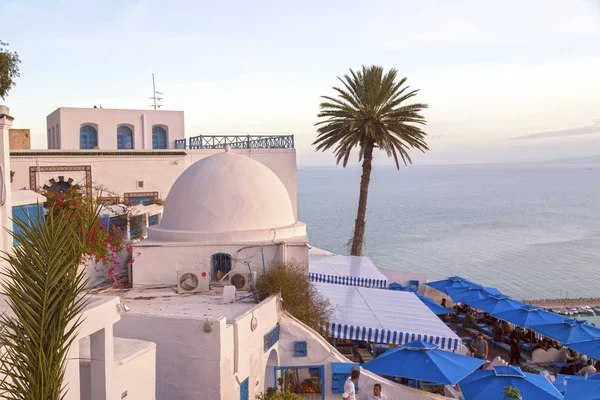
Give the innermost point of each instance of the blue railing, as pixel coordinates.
(180, 144)
(237, 142)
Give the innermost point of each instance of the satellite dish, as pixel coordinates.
(188, 281)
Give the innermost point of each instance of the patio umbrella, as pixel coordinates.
(582, 389)
(424, 361)
(568, 330)
(428, 301)
(451, 282)
(466, 294)
(590, 348)
(489, 384)
(562, 381)
(527, 315)
(496, 304)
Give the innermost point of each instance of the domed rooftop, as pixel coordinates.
(225, 194)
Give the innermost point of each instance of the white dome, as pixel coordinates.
(223, 194)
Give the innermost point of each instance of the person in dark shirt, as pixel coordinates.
(515, 346)
(498, 332)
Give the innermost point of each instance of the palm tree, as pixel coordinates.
(370, 112)
(44, 290)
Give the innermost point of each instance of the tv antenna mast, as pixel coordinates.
(156, 96)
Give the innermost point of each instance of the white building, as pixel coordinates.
(222, 212)
(109, 129)
(100, 365)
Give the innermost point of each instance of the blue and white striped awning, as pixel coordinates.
(384, 316)
(345, 270)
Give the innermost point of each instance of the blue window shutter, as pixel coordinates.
(300, 349)
(153, 220)
(244, 390)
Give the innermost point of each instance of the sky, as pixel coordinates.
(509, 81)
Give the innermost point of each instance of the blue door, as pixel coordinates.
(244, 395)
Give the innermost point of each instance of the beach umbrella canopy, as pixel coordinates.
(489, 384)
(568, 330)
(496, 304)
(424, 361)
(582, 389)
(562, 381)
(432, 305)
(428, 301)
(590, 348)
(527, 315)
(451, 282)
(467, 294)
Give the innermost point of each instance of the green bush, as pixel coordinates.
(300, 298)
(274, 394)
(512, 392)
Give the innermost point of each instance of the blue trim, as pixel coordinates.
(311, 369)
(348, 280)
(244, 390)
(124, 138)
(159, 138)
(271, 337)
(367, 334)
(88, 137)
(300, 349)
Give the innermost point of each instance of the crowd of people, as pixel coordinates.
(517, 336)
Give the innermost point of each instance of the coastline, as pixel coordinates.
(565, 302)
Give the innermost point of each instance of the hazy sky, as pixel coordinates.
(490, 71)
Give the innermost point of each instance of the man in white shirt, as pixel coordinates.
(377, 393)
(349, 392)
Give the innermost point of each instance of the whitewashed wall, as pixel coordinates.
(193, 364)
(159, 171)
(158, 263)
(65, 122)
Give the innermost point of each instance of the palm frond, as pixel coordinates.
(371, 109)
(44, 289)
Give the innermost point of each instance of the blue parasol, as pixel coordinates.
(568, 330)
(590, 348)
(527, 316)
(490, 384)
(424, 361)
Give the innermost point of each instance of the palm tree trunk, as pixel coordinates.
(359, 225)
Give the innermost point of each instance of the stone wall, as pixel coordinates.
(19, 139)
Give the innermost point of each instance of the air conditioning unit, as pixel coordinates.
(241, 281)
(192, 281)
(139, 184)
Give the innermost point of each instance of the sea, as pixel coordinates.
(532, 231)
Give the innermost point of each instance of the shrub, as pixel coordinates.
(277, 395)
(300, 298)
(512, 392)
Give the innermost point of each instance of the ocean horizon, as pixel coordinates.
(531, 230)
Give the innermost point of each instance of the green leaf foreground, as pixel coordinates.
(44, 289)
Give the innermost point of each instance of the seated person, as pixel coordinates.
(498, 332)
(468, 322)
(588, 369)
(529, 336)
(506, 328)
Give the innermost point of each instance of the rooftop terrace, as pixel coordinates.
(166, 302)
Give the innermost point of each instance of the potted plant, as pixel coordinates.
(511, 392)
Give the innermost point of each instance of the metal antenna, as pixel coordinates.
(155, 95)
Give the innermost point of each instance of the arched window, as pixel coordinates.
(221, 265)
(88, 137)
(124, 138)
(159, 137)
